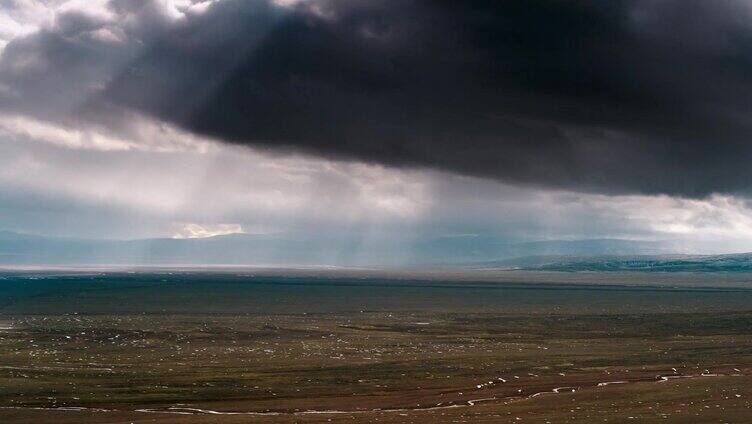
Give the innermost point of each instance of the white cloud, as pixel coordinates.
(141, 134)
(287, 3)
(206, 182)
(194, 230)
(41, 131)
(96, 9)
(23, 17)
(719, 216)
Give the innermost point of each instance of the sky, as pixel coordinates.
(526, 120)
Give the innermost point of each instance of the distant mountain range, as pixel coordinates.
(281, 250)
(741, 262)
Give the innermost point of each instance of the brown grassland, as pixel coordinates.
(386, 367)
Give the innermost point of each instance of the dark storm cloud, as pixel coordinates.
(606, 96)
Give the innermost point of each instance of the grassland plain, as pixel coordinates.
(64, 359)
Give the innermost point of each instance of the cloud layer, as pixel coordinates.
(625, 96)
(377, 119)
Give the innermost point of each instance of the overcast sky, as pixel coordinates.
(534, 119)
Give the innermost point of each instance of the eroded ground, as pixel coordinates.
(376, 366)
